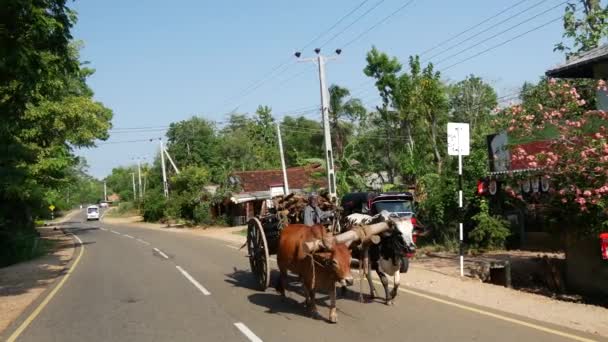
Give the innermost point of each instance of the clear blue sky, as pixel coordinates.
(163, 61)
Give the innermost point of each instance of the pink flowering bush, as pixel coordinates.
(574, 155)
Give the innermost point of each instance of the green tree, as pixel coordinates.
(384, 70)
(342, 114)
(47, 109)
(584, 29)
(120, 181)
(194, 142)
(472, 101)
(302, 139)
(263, 139)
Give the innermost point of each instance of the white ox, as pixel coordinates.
(385, 257)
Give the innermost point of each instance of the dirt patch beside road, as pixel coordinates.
(22, 283)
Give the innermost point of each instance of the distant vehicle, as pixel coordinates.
(104, 204)
(92, 212)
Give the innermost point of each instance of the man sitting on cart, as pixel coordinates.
(312, 213)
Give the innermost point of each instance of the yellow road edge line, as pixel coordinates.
(48, 298)
(494, 315)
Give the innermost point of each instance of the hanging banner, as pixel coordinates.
(544, 184)
(535, 184)
(525, 185)
(493, 187)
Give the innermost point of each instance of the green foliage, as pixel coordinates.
(125, 208)
(202, 214)
(120, 181)
(154, 204)
(491, 232)
(47, 110)
(585, 25)
(302, 139)
(472, 101)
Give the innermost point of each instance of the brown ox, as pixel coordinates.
(319, 271)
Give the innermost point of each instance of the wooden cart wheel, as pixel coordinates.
(257, 247)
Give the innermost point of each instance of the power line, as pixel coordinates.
(353, 23)
(500, 33)
(127, 141)
(473, 27)
(503, 43)
(487, 29)
(335, 24)
(378, 23)
(274, 72)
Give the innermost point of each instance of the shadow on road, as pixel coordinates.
(271, 299)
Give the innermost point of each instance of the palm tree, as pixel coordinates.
(342, 114)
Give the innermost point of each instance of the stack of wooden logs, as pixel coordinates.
(293, 205)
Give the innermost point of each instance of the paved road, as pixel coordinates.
(136, 284)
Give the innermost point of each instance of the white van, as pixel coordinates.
(92, 212)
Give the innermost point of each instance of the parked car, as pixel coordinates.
(92, 212)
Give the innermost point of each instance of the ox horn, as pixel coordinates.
(363, 233)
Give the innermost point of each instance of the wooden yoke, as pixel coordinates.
(361, 233)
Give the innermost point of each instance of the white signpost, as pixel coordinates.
(459, 145)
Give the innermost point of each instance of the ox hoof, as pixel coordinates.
(333, 316)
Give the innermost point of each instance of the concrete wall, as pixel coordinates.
(586, 272)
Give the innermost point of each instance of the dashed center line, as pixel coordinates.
(102, 228)
(144, 242)
(115, 232)
(247, 332)
(194, 282)
(129, 236)
(161, 253)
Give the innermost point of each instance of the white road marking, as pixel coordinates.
(233, 247)
(115, 232)
(193, 281)
(129, 236)
(247, 332)
(161, 253)
(144, 242)
(102, 228)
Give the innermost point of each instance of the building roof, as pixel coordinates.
(580, 66)
(262, 180)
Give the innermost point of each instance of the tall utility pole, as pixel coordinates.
(320, 60)
(139, 178)
(134, 191)
(162, 164)
(105, 191)
(285, 183)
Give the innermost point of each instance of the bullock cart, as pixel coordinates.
(263, 234)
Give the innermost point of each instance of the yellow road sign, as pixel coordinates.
(52, 207)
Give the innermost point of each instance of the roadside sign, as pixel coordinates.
(52, 207)
(458, 139)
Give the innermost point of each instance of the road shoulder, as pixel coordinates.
(26, 283)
